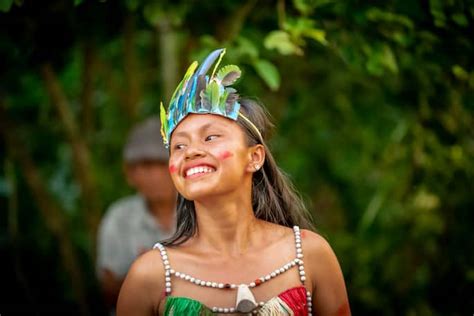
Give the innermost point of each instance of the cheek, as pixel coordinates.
(224, 155)
(172, 168)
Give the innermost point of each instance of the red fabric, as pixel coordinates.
(296, 299)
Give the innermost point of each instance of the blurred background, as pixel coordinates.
(373, 103)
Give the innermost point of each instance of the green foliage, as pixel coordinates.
(373, 104)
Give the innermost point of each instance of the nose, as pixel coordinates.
(194, 152)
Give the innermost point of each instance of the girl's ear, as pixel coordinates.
(257, 158)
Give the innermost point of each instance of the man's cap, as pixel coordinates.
(145, 143)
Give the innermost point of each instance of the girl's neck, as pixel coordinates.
(226, 226)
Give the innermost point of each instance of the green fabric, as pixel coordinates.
(185, 306)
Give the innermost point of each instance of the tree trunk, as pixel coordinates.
(81, 156)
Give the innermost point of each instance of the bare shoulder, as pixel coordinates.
(326, 277)
(140, 292)
(315, 245)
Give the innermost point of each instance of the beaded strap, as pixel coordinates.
(299, 255)
(166, 264)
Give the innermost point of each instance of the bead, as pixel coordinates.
(273, 274)
(203, 283)
(303, 278)
(171, 270)
(208, 283)
(226, 310)
(233, 286)
(214, 309)
(252, 284)
(302, 272)
(166, 262)
(227, 286)
(258, 282)
(177, 274)
(300, 255)
(221, 285)
(197, 281)
(267, 277)
(168, 284)
(214, 284)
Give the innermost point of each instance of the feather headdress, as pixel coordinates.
(202, 94)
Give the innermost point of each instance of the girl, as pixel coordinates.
(238, 248)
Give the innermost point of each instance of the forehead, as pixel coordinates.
(194, 123)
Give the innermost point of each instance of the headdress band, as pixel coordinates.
(203, 94)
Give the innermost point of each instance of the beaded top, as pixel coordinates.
(294, 301)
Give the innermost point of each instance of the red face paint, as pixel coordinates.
(303, 233)
(173, 169)
(225, 154)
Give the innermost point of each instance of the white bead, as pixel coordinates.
(214, 284)
(310, 304)
(226, 310)
(177, 274)
(300, 255)
(182, 276)
(232, 309)
(282, 270)
(167, 279)
(171, 270)
(267, 277)
(168, 290)
(303, 278)
(273, 274)
(203, 283)
(165, 257)
(221, 285)
(214, 309)
(167, 266)
(208, 283)
(197, 281)
(167, 272)
(220, 309)
(252, 284)
(301, 268)
(261, 303)
(166, 262)
(187, 277)
(233, 286)
(299, 250)
(192, 279)
(168, 284)
(298, 245)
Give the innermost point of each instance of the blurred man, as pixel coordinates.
(133, 224)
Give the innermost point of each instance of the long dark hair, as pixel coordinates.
(274, 198)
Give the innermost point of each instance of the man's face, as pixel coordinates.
(151, 178)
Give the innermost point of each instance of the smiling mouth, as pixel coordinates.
(196, 171)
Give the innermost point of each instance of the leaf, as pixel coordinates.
(77, 2)
(316, 34)
(227, 75)
(268, 72)
(280, 40)
(5, 5)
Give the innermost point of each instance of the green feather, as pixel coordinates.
(214, 94)
(227, 75)
(218, 62)
(164, 122)
(184, 82)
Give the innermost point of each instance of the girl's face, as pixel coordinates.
(209, 157)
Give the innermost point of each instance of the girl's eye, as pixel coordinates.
(178, 146)
(211, 137)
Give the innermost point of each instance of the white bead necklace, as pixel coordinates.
(298, 261)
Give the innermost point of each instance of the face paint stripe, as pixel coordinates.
(225, 154)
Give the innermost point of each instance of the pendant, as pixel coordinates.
(245, 300)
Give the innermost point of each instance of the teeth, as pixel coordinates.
(195, 170)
